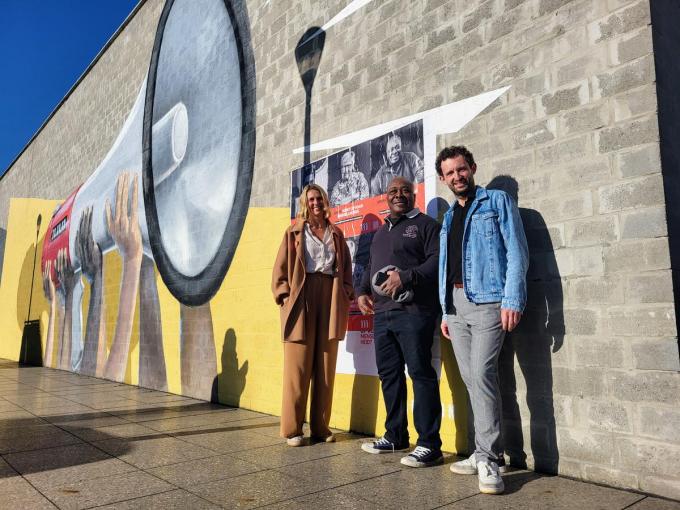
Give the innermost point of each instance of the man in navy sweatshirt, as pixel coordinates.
(401, 290)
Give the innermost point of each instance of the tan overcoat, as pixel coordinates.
(288, 282)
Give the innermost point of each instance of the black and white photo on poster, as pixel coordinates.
(365, 170)
(397, 154)
(349, 172)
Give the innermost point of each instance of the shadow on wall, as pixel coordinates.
(666, 39)
(365, 388)
(437, 207)
(30, 305)
(540, 332)
(230, 382)
(308, 56)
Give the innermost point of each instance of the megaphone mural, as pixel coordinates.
(173, 189)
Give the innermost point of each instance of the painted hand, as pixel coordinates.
(65, 275)
(123, 225)
(509, 319)
(48, 284)
(87, 249)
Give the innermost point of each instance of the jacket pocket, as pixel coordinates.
(486, 223)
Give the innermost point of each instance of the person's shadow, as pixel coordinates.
(231, 381)
(365, 388)
(539, 334)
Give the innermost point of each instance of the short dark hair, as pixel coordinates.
(452, 152)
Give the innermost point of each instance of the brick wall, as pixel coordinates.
(590, 381)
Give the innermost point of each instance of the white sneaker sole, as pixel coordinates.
(410, 462)
(368, 448)
(491, 489)
(295, 442)
(470, 470)
(463, 470)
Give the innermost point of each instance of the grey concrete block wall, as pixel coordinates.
(591, 383)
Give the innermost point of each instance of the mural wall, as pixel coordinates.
(138, 228)
(155, 269)
(171, 194)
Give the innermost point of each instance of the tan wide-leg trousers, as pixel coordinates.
(311, 360)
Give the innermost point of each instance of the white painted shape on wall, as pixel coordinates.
(350, 9)
(449, 118)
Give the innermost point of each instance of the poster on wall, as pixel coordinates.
(356, 179)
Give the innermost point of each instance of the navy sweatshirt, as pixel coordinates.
(410, 243)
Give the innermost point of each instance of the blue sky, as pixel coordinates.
(45, 45)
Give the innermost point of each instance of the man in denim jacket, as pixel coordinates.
(483, 261)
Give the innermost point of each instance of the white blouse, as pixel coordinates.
(319, 254)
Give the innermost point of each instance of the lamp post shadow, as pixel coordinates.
(308, 56)
(30, 352)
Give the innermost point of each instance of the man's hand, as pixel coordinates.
(509, 319)
(445, 330)
(365, 304)
(392, 284)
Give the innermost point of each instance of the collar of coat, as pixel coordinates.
(299, 226)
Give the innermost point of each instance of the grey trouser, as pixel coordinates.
(477, 338)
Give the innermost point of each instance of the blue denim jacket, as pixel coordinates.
(495, 253)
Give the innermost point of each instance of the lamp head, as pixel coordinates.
(308, 55)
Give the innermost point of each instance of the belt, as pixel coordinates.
(319, 273)
(458, 285)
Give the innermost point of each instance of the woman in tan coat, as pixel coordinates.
(312, 284)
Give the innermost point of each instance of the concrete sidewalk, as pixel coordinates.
(78, 442)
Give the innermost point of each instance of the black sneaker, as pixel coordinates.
(382, 445)
(423, 457)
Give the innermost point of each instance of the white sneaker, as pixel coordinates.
(490, 481)
(465, 467)
(423, 457)
(383, 445)
(295, 441)
(469, 466)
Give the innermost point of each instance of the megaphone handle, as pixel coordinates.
(170, 139)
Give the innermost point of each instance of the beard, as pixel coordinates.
(467, 191)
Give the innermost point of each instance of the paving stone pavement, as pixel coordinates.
(71, 441)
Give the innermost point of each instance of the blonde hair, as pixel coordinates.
(303, 211)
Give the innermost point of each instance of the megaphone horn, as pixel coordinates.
(189, 140)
